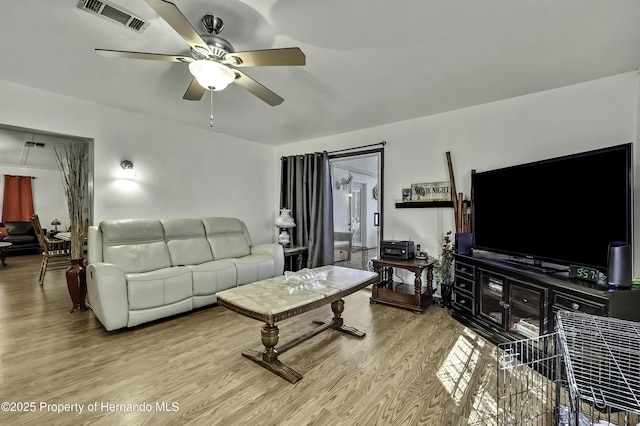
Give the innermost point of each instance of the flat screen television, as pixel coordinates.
(563, 210)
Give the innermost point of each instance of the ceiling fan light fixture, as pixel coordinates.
(211, 75)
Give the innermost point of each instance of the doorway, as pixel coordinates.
(32, 152)
(357, 186)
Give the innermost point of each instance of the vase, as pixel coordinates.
(77, 284)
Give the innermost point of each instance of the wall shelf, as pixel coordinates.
(423, 204)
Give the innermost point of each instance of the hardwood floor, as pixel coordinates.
(409, 370)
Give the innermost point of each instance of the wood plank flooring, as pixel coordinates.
(409, 370)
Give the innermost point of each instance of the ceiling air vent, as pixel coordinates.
(35, 144)
(114, 13)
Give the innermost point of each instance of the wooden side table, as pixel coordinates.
(4, 246)
(415, 296)
(294, 257)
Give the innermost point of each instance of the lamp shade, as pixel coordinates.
(285, 220)
(211, 75)
(56, 222)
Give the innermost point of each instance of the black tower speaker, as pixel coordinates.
(619, 265)
(463, 243)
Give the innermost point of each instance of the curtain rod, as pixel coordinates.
(19, 176)
(383, 143)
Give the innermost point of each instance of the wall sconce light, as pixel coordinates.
(344, 182)
(129, 172)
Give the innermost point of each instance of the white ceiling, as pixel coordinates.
(25, 148)
(369, 62)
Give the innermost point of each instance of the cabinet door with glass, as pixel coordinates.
(512, 305)
(527, 309)
(493, 297)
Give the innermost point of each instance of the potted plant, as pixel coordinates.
(444, 269)
(72, 162)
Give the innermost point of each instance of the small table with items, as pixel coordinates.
(64, 236)
(415, 296)
(4, 247)
(294, 257)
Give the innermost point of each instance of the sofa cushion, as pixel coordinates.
(4, 232)
(255, 267)
(214, 276)
(135, 245)
(227, 237)
(19, 239)
(186, 241)
(158, 288)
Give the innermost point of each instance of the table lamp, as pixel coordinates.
(284, 222)
(55, 223)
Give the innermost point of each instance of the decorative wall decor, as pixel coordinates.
(406, 194)
(432, 191)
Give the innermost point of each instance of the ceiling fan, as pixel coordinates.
(213, 61)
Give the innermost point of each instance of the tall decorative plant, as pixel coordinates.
(72, 162)
(73, 168)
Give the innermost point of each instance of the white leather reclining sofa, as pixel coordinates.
(141, 270)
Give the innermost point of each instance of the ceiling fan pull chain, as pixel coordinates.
(211, 116)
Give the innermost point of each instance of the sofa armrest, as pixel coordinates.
(107, 294)
(274, 250)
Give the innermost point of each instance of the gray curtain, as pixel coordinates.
(306, 190)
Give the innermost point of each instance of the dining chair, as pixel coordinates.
(55, 253)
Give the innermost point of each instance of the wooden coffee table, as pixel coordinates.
(276, 299)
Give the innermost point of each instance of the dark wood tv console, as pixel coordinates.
(504, 301)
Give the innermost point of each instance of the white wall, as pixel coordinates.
(341, 201)
(181, 171)
(570, 119)
(49, 201)
(186, 172)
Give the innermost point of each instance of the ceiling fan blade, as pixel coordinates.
(194, 91)
(172, 15)
(257, 89)
(141, 55)
(255, 58)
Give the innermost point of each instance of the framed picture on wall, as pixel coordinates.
(406, 194)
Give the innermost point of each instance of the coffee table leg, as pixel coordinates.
(337, 322)
(269, 357)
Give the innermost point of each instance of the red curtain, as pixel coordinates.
(17, 204)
